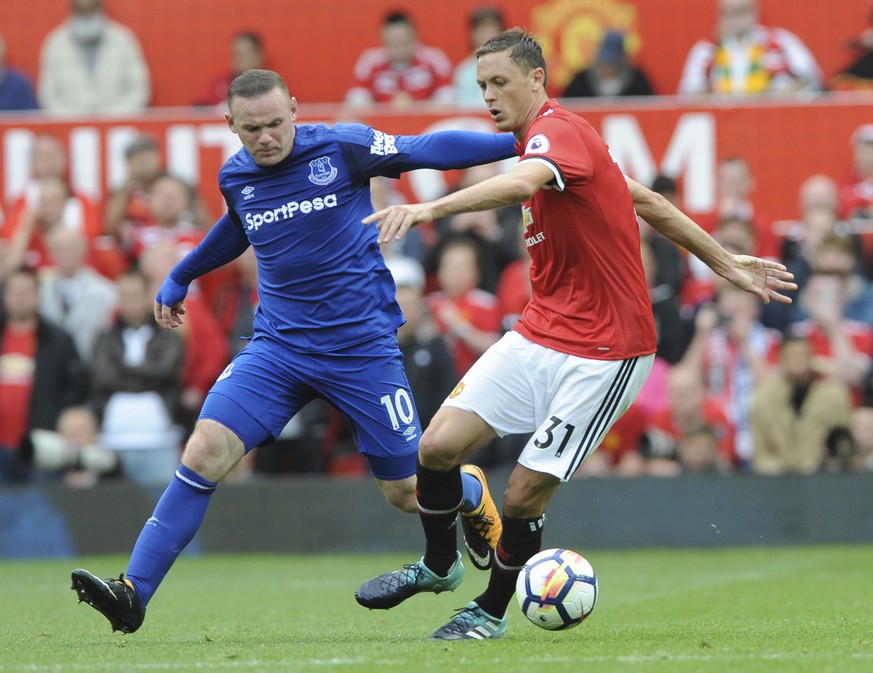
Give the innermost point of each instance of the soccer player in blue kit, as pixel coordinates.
(325, 326)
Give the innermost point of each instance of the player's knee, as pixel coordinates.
(403, 500)
(434, 452)
(400, 494)
(212, 450)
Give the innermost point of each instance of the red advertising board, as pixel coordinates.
(783, 142)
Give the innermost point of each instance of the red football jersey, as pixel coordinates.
(17, 368)
(481, 309)
(428, 76)
(589, 292)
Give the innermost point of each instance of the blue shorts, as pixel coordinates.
(267, 383)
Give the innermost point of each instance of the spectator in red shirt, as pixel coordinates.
(52, 208)
(172, 202)
(468, 316)
(402, 70)
(842, 348)
(856, 194)
(40, 373)
(689, 405)
(735, 187)
(735, 352)
(246, 53)
(127, 207)
(48, 173)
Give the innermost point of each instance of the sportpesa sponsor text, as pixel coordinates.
(287, 210)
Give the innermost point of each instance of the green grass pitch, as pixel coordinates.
(740, 610)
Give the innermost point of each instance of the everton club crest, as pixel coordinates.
(321, 172)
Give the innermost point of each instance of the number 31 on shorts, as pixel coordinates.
(550, 435)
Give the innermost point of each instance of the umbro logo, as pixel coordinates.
(249, 192)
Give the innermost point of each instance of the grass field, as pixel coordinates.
(738, 610)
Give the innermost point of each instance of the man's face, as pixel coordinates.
(246, 55)
(48, 157)
(170, 200)
(736, 17)
(68, 249)
(53, 195)
(735, 179)
(863, 152)
(484, 31)
(144, 165)
(265, 125)
(399, 40)
(458, 270)
(796, 360)
(134, 301)
(509, 93)
(20, 296)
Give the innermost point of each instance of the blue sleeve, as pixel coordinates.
(224, 243)
(377, 153)
(457, 149)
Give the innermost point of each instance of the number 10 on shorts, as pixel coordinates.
(400, 408)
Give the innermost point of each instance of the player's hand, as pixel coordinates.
(169, 303)
(394, 221)
(169, 317)
(763, 277)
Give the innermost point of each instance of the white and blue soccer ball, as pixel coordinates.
(556, 589)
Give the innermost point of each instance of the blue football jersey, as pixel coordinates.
(323, 283)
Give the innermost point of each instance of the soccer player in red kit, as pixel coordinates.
(582, 349)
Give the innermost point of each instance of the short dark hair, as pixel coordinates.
(136, 273)
(252, 37)
(700, 428)
(397, 17)
(664, 184)
(524, 50)
(142, 143)
(486, 14)
(254, 84)
(793, 337)
(26, 272)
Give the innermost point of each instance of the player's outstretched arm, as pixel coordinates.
(766, 278)
(510, 188)
(444, 150)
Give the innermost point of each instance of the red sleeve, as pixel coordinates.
(553, 140)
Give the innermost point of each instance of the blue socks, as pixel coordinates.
(178, 516)
(173, 525)
(472, 492)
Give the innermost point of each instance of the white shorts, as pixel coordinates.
(567, 402)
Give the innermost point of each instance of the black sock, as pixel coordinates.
(439, 495)
(521, 539)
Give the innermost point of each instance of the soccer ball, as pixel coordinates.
(556, 589)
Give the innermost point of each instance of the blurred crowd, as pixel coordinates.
(92, 64)
(91, 389)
